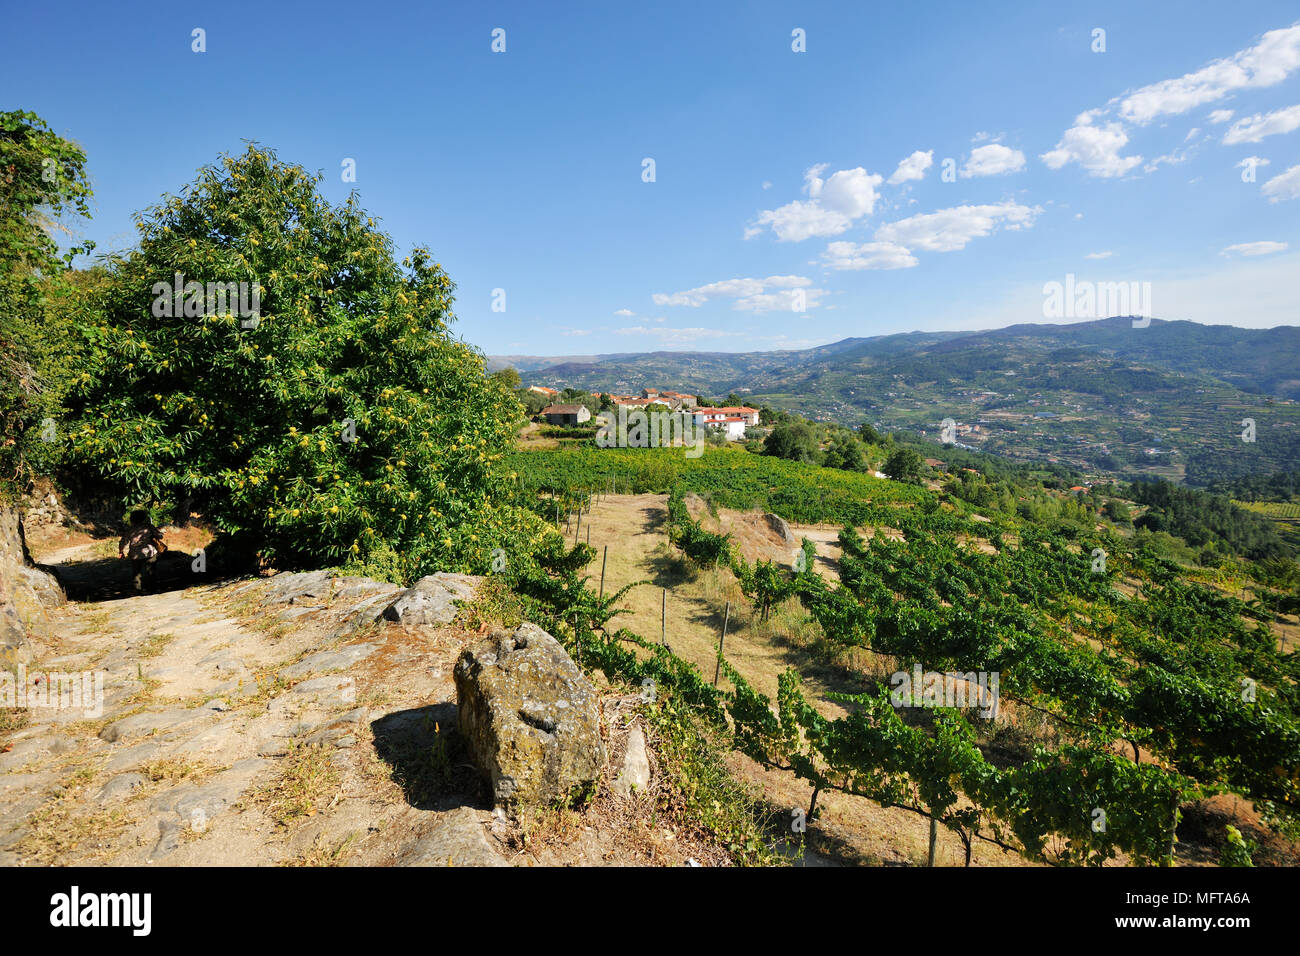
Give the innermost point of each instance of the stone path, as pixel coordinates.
(235, 728)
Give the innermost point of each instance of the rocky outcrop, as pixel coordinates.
(26, 593)
(782, 530)
(431, 601)
(529, 718)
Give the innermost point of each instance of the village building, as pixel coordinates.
(731, 420)
(746, 414)
(566, 414)
(625, 401)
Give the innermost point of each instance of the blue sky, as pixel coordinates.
(777, 173)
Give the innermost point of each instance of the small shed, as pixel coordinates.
(566, 414)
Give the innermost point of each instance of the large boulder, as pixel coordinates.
(26, 592)
(431, 601)
(781, 529)
(529, 718)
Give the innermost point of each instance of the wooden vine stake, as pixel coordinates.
(934, 836)
(663, 620)
(602, 572)
(725, 621)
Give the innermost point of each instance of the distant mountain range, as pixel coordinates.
(1165, 399)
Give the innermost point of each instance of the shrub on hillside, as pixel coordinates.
(340, 424)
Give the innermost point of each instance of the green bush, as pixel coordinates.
(345, 426)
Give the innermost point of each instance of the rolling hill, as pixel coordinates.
(1169, 399)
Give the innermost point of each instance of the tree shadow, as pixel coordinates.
(669, 570)
(428, 759)
(111, 578)
(653, 518)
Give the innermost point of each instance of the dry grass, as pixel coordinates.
(633, 527)
(269, 685)
(94, 621)
(322, 854)
(154, 645)
(62, 831)
(14, 718)
(308, 784)
(176, 769)
(549, 826)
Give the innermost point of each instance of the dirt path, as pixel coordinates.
(187, 710)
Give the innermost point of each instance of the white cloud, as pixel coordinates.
(1262, 248)
(913, 167)
(782, 301)
(1269, 62)
(982, 137)
(868, 255)
(729, 289)
(1252, 129)
(1099, 255)
(1098, 136)
(1191, 133)
(1171, 159)
(749, 295)
(950, 229)
(624, 312)
(1095, 148)
(565, 330)
(832, 206)
(993, 160)
(1285, 186)
(767, 184)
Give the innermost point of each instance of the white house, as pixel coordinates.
(744, 412)
(723, 419)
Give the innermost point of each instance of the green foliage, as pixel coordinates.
(43, 180)
(730, 477)
(257, 424)
(1237, 850)
(794, 441)
(508, 377)
(1168, 676)
(532, 402)
(848, 454)
(1200, 518)
(1117, 511)
(904, 464)
(1282, 486)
